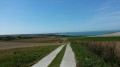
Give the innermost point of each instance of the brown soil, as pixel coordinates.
(36, 40)
(41, 41)
(8, 45)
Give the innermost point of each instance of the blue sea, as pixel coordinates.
(91, 33)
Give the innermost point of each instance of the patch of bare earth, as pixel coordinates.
(8, 45)
(37, 40)
(21, 43)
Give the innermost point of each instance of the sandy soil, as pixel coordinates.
(112, 34)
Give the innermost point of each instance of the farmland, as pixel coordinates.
(24, 52)
(99, 50)
(89, 51)
(29, 42)
(86, 58)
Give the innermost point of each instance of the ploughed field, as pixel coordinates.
(10, 45)
(30, 42)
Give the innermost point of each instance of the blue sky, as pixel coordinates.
(51, 16)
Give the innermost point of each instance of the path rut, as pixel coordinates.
(69, 58)
(48, 59)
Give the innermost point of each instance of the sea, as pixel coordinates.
(90, 33)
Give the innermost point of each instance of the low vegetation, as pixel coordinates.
(85, 58)
(56, 62)
(108, 50)
(9, 38)
(95, 38)
(24, 57)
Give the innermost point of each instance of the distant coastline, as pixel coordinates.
(91, 33)
(111, 34)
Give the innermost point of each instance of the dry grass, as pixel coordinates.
(108, 50)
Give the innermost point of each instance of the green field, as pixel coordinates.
(86, 58)
(56, 62)
(94, 38)
(24, 57)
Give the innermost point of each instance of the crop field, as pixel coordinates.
(86, 58)
(24, 57)
(105, 51)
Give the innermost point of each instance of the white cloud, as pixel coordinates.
(108, 11)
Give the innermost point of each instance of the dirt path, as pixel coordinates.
(48, 59)
(68, 59)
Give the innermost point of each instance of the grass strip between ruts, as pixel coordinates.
(57, 60)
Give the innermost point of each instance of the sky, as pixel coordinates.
(53, 16)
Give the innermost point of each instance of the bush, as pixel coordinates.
(8, 38)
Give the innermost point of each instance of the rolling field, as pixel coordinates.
(89, 51)
(26, 52)
(21, 43)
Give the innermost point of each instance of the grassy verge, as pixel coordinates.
(87, 59)
(56, 62)
(24, 57)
